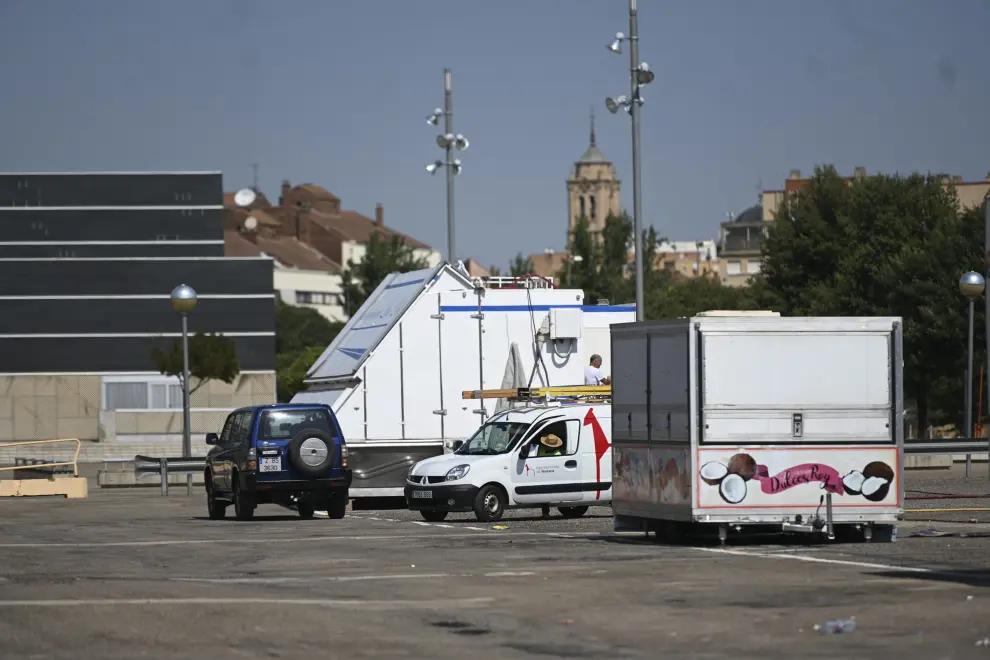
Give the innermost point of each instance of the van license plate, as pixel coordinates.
(422, 494)
(271, 463)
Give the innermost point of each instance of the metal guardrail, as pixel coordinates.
(950, 447)
(163, 465)
(74, 463)
(186, 464)
(42, 465)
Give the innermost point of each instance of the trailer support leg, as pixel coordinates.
(723, 533)
(829, 526)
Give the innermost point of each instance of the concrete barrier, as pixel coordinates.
(69, 487)
(928, 462)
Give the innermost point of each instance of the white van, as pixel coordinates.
(506, 464)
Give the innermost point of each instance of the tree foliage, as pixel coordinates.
(301, 336)
(211, 357)
(606, 271)
(382, 256)
(291, 370)
(690, 296)
(520, 266)
(297, 328)
(881, 246)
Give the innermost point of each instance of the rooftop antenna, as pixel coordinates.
(254, 177)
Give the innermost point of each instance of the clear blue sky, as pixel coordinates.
(335, 92)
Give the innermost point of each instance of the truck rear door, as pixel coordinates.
(791, 385)
(791, 410)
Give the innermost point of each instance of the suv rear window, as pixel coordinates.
(283, 424)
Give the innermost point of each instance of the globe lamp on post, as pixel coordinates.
(971, 285)
(184, 301)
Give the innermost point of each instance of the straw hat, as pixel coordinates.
(552, 441)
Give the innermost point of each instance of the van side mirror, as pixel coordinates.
(524, 451)
(211, 438)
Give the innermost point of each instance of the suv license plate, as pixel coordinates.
(422, 494)
(271, 463)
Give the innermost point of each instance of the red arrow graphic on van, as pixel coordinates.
(601, 445)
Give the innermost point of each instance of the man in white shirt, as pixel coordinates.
(593, 374)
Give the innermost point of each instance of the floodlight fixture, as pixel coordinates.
(434, 166)
(434, 118)
(616, 45)
(643, 74)
(613, 104)
(456, 165)
(460, 142)
(444, 141)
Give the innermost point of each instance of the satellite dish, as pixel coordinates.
(251, 223)
(245, 197)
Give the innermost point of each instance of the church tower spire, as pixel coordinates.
(593, 140)
(593, 187)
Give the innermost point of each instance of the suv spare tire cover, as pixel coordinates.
(312, 452)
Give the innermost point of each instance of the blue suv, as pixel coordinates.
(287, 454)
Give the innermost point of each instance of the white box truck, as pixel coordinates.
(395, 373)
(734, 420)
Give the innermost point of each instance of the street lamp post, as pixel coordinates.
(448, 141)
(971, 285)
(986, 299)
(576, 258)
(639, 75)
(184, 301)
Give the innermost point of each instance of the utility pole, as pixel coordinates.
(639, 75)
(448, 129)
(986, 298)
(637, 181)
(448, 141)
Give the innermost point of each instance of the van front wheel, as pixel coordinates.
(573, 511)
(489, 504)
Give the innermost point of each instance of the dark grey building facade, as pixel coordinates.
(87, 262)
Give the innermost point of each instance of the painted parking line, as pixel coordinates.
(258, 580)
(450, 603)
(274, 540)
(308, 580)
(821, 560)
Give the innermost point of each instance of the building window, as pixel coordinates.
(594, 207)
(753, 267)
(141, 393)
(581, 204)
(733, 268)
(318, 298)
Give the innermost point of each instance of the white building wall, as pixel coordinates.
(301, 287)
(354, 251)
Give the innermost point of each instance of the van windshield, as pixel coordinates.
(494, 438)
(283, 424)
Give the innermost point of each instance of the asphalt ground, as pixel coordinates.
(134, 575)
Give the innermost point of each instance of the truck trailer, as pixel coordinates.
(738, 421)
